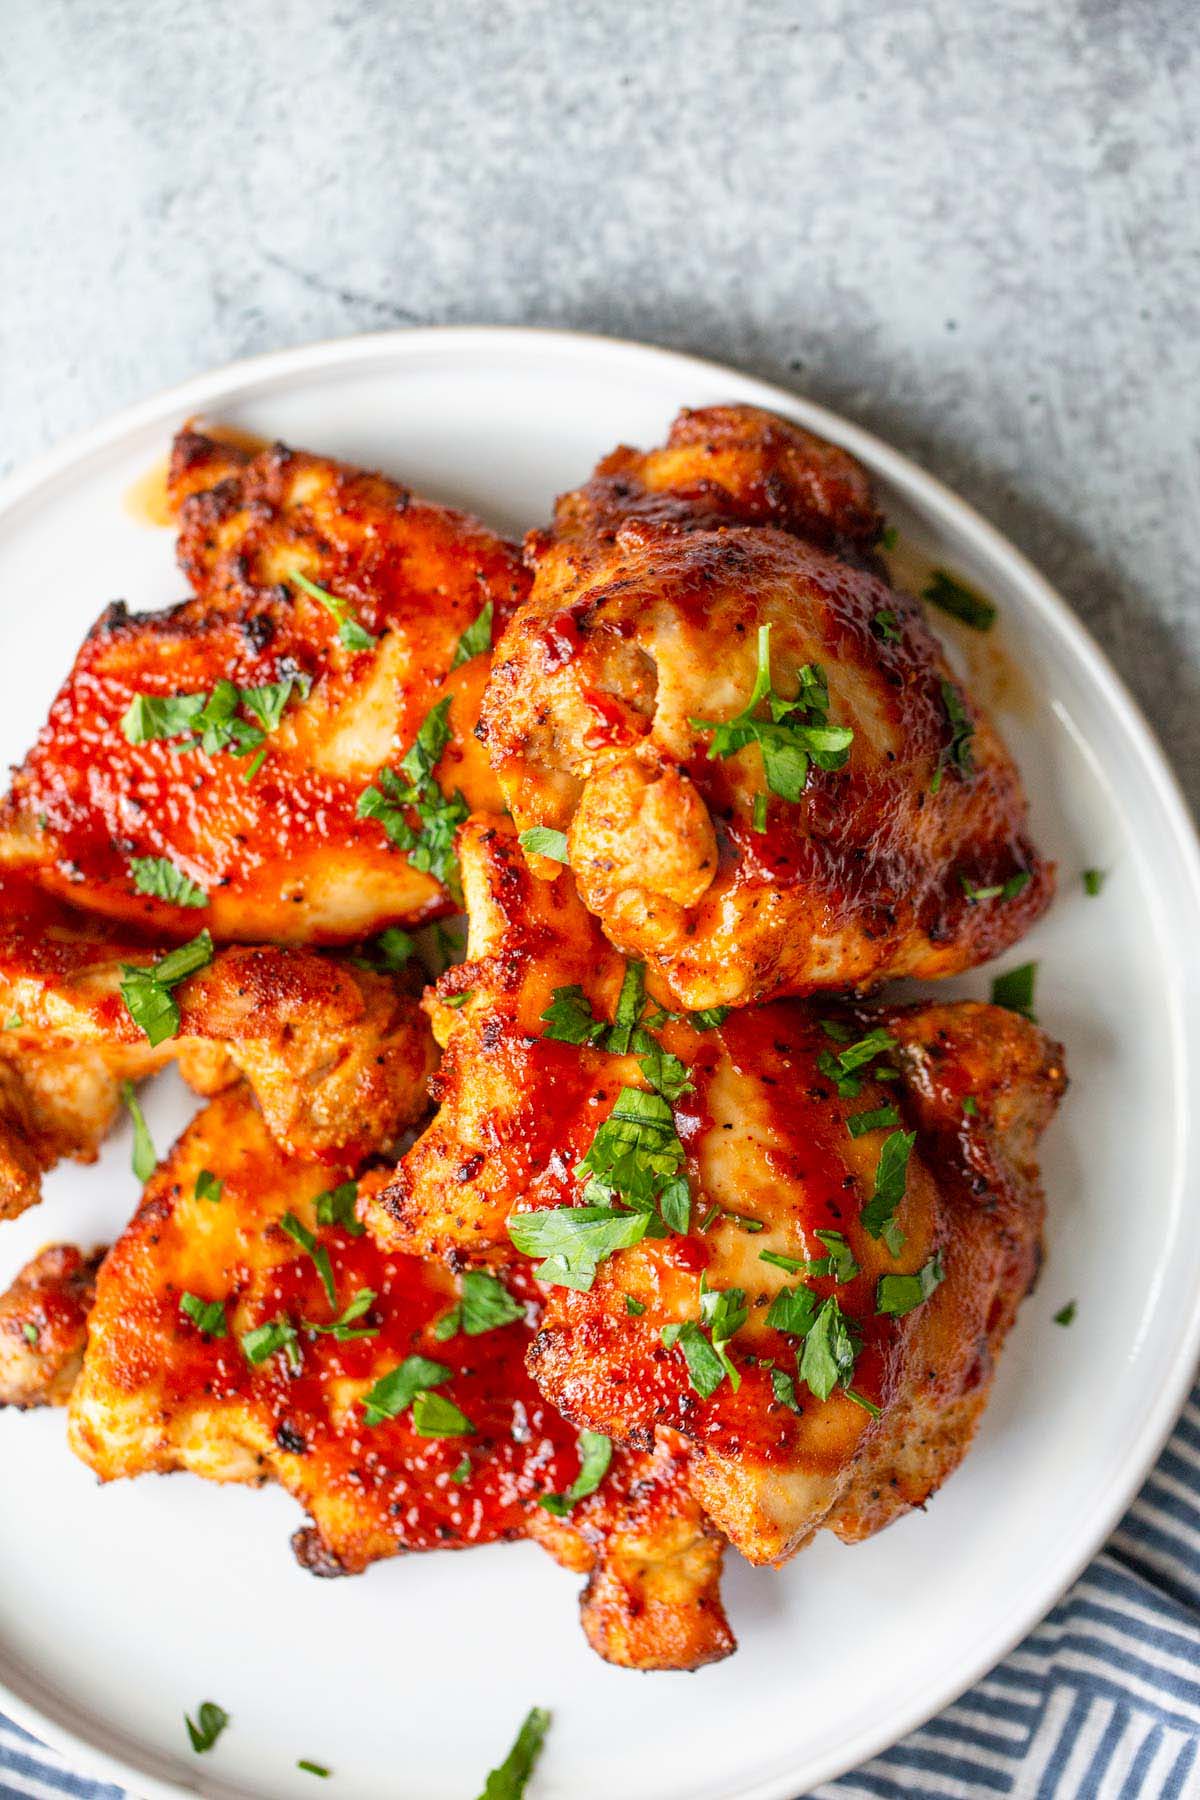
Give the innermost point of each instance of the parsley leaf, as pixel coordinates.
(267, 703)
(209, 1187)
(351, 634)
(336, 1207)
(476, 639)
(970, 1106)
(630, 1006)
(575, 1240)
(300, 1234)
(830, 1351)
(508, 1781)
(705, 1369)
(342, 1328)
(539, 840)
(723, 1312)
(891, 1177)
(569, 1018)
(211, 1721)
(431, 847)
(665, 1073)
(635, 1308)
(958, 753)
(267, 1339)
(1065, 1314)
(1093, 881)
(485, 1305)
(783, 1387)
(30, 1333)
(390, 951)
(159, 876)
(208, 1316)
(796, 734)
(793, 1310)
(858, 1124)
(1014, 989)
(898, 1294)
(840, 1066)
(636, 1155)
(396, 1390)
(840, 1261)
(145, 1157)
(885, 626)
(312, 1768)
(462, 1470)
(961, 602)
(147, 991)
(436, 1417)
(595, 1454)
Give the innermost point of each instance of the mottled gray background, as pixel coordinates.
(973, 226)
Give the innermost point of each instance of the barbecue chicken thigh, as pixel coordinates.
(337, 1052)
(797, 1234)
(43, 1326)
(247, 1330)
(769, 778)
(290, 749)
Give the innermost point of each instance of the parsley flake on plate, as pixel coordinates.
(1014, 990)
(952, 596)
(211, 1721)
(508, 1781)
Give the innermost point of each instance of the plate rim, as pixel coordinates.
(238, 380)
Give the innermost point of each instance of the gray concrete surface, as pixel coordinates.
(971, 224)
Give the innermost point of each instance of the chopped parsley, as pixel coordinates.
(351, 634)
(635, 1308)
(476, 639)
(397, 1390)
(958, 754)
(1093, 881)
(595, 1454)
(1065, 1314)
(575, 1240)
(313, 1768)
(723, 1312)
(336, 1207)
(30, 1333)
(839, 1262)
(889, 537)
(898, 1294)
(1014, 989)
(830, 1351)
(13, 1022)
(891, 1177)
(858, 1124)
(209, 1187)
(631, 1003)
(145, 1157)
(840, 1066)
(636, 1156)
(539, 840)
(210, 722)
(970, 1106)
(569, 1018)
(952, 596)
(147, 992)
(159, 876)
(885, 626)
(345, 1328)
(796, 734)
(207, 1316)
(267, 1339)
(1000, 890)
(429, 847)
(462, 1470)
(390, 951)
(508, 1781)
(793, 1310)
(211, 1721)
(300, 1234)
(434, 1416)
(484, 1305)
(783, 1389)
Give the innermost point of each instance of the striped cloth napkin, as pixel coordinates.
(1101, 1702)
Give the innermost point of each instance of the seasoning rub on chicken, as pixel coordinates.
(768, 778)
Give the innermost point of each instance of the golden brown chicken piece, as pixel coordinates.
(43, 1326)
(769, 779)
(214, 1347)
(831, 1213)
(338, 1054)
(260, 817)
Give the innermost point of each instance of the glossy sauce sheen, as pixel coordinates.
(283, 855)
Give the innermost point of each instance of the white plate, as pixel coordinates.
(121, 1607)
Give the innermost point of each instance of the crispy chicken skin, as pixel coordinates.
(283, 856)
(643, 628)
(159, 1394)
(43, 1326)
(338, 1055)
(770, 1161)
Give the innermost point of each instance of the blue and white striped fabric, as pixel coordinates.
(1101, 1702)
